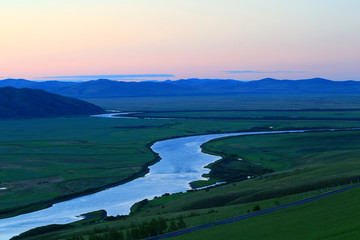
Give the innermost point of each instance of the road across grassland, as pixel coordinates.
(253, 214)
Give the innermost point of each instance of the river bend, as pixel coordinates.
(181, 163)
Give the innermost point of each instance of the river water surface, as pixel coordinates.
(181, 163)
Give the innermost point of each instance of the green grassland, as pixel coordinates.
(332, 218)
(255, 156)
(255, 115)
(304, 166)
(43, 159)
(231, 102)
(308, 172)
(48, 160)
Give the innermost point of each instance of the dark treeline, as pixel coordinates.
(144, 230)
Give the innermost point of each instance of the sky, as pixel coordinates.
(133, 40)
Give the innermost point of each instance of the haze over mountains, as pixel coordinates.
(108, 88)
(24, 103)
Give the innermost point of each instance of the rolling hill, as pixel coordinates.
(26, 103)
(104, 88)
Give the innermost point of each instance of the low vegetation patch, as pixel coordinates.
(43, 161)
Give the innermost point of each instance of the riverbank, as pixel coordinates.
(90, 153)
(46, 204)
(145, 170)
(297, 180)
(171, 175)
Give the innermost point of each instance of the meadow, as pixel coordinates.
(245, 101)
(255, 115)
(331, 218)
(48, 160)
(255, 156)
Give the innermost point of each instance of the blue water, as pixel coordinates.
(181, 163)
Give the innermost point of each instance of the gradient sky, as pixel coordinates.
(239, 39)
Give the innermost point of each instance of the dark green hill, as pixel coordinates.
(25, 102)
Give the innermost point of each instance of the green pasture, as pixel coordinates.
(47, 160)
(243, 114)
(192, 218)
(301, 162)
(256, 155)
(332, 218)
(233, 102)
(334, 164)
(44, 159)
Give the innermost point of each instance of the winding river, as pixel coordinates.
(181, 163)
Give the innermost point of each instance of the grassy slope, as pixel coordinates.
(42, 159)
(23, 103)
(249, 155)
(332, 218)
(208, 215)
(334, 164)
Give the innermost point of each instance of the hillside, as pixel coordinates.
(104, 88)
(20, 103)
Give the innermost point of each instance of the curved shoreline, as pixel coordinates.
(175, 176)
(144, 170)
(48, 203)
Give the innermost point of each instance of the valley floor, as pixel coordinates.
(46, 160)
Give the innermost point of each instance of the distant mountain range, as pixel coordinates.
(26, 103)
(186, 87)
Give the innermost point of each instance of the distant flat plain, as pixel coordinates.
(47, 160)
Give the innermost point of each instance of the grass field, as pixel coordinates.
(255, 155)
(46, 160)
(257, 115)
(233, 102)
(332, 218)
(300, 167)
(333, 166)
(343, 203)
